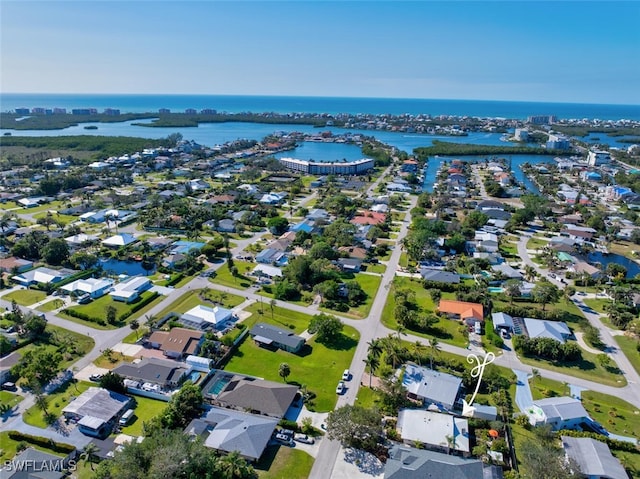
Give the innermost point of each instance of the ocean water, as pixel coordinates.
(333, 105)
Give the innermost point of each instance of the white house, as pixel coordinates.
(119, 240)
(204, 317)
(540, 328)
(91, 286)
(42, 275)
(434, 430)
(129, 290)
(559, 412)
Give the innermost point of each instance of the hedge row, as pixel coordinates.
(175, 280)
(84, 317)
(42, 442)
(138, 306)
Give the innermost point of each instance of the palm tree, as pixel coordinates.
(89, 452)
(535, 375)
(434, 348)
(372, 363)
(4, 222)
(284, 371)
(418, 349)
(272, 304)
(392, 349)
(400, 329)
(530, 273)
(233, 466)
(375, 348)
(135, 325)
(150, 321)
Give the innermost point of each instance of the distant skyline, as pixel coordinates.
(574, 51)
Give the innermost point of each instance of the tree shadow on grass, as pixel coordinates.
(340, 343)
(440, 333)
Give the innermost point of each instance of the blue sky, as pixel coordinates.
(576, 51)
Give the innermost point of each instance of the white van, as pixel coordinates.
(478, 327)
(126, 417)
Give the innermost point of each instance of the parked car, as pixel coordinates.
(340, 388)
(9, 386)
(304, 438)
(346, 375)
(95, 377)
(283, 439)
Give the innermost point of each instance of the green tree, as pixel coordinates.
(38, 366)
(56, 252)
(545, 293)
(35, 324)
(184, 406)
(111, 313)
(284, 371)
(278, 225)
(89, 453)
(355, 426)
(135, 325)
(327, 327)
(113, 382)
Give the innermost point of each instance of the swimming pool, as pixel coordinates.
(194, 377)
(218, 386)
(493, 289)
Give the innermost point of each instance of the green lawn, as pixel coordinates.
(146, 409)
(629, 348)
(376, 268)
(191, 299)
(56, 402)
(317, 366)
(281, 317)
(50, 305)
(133, 337)
(367, 398)
(588, 368)
(278, 462)
(111, 362)
(25, 297)
(369, 284)
(63, 219)
(613, 413)
(445, 330)
(597, 303)
(543, 388)
(9, 398)
(224, 277)
(97, 307)
(536, 243)
(9, 447)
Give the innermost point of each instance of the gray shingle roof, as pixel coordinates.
(593, 457)
(409, 463)
(276, 334)
(433, 386)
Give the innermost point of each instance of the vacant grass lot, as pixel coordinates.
(281, 317)
(224, 277)
(278, 462)
(369, 284)
(111, 361)
(629, 348)
(191, 299)
(613, 413)
(318, 366)
(588, 368)
(445, 330)
(146, 409)
(56, 403)
(597, 304)
(51, 305)
(543, 388)
(97, 307)
(25, 297)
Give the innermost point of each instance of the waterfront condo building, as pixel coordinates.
(328, 168)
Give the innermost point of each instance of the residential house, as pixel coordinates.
(559, 412)
(431, 387)
(12, 264)
(177, 343)
(204, 317)
(275, 337)
(406, 462)
(34, 464)
(439, 276)
(227, 431)
(129, 290)
(354, 252)
(173, 260)
(541, 328)
(352, 265)
(579, 233)
(119, 240)
(96, 411)
(185, 247)
(264, 270)
(502, 321)
(95, 288)
(269, 256)
(369, 218)
(507, 271)
(80, 240)
(7, 363)
(461, 310)
(246, 393)
(435, 431)
(159, 243)
(226, 226)
(582, 267)
(594, 458)
(153, 374)
(273, 198)
(42, 275)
